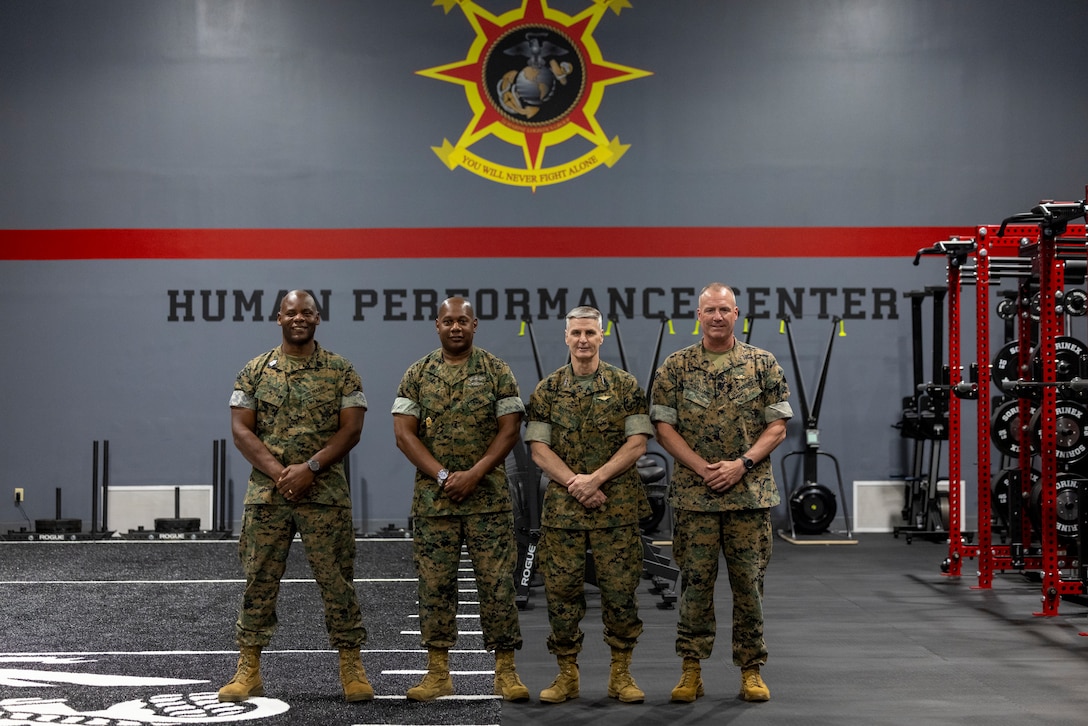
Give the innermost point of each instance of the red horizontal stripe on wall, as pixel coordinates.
(475, 242)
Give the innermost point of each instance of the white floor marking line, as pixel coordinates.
(286, 580)
(28, 678)
(36, 657)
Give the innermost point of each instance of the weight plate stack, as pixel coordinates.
(63, 525)
(177, 524)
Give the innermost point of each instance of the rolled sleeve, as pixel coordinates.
(405, 406)
(539, 431)
(506, 406)
(241, 399)
(636, 424)
(777, 411)
(664, 414)
(355, 399)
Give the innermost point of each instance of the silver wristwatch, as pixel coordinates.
(314, 464)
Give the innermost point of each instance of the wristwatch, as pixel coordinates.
(314, 464)
(442, 476)
(748, 463)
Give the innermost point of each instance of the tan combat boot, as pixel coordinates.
(690, 686)
(752, 687)
(353, 677)
(620, 683)
(507, 683)
(247, 679)
(437, 681)
(565, 685)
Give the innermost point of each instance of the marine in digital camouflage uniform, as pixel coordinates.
(588, 424)
(296, 412)
(720, 407)
(456, 416)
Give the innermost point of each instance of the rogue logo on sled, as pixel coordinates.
(527, 570)
(535, 78)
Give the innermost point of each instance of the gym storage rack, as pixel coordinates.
(925, 423)
(1041, 374)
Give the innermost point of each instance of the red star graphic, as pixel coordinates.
(472, 71)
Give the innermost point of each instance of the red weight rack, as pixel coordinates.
(1036, 249)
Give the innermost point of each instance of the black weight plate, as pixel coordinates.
(1066, 500)
(1035, 309)
(1005, 428)
(1076, 302)
(1071, 435)
(1069, 357)
(1006, 309)
(1005, 371)
(1007, 483)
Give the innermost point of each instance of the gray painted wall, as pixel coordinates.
(309, 114)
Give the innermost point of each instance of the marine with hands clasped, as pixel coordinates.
(720, 408)
(588, 424)
(456, 416)
(296, 412)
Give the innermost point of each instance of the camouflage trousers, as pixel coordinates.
(436, 551)
(744, 537)
(328, 538)
(617, 564)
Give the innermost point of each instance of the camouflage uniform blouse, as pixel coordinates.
(458, 408)
(298, 403)
(720, 407)
(586, 424)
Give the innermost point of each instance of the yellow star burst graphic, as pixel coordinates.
(534, 78)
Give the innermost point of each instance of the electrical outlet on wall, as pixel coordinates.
(18, 495)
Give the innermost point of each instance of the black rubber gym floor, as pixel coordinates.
(131, 632)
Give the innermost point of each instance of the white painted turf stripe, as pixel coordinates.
(285, 580)
(13, 657)
(119, 540)
(16, 657)
(230, 581)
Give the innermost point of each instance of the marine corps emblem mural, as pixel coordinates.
(534, 78)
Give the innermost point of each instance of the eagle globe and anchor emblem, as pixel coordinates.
(525, 92)
(535, 79)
